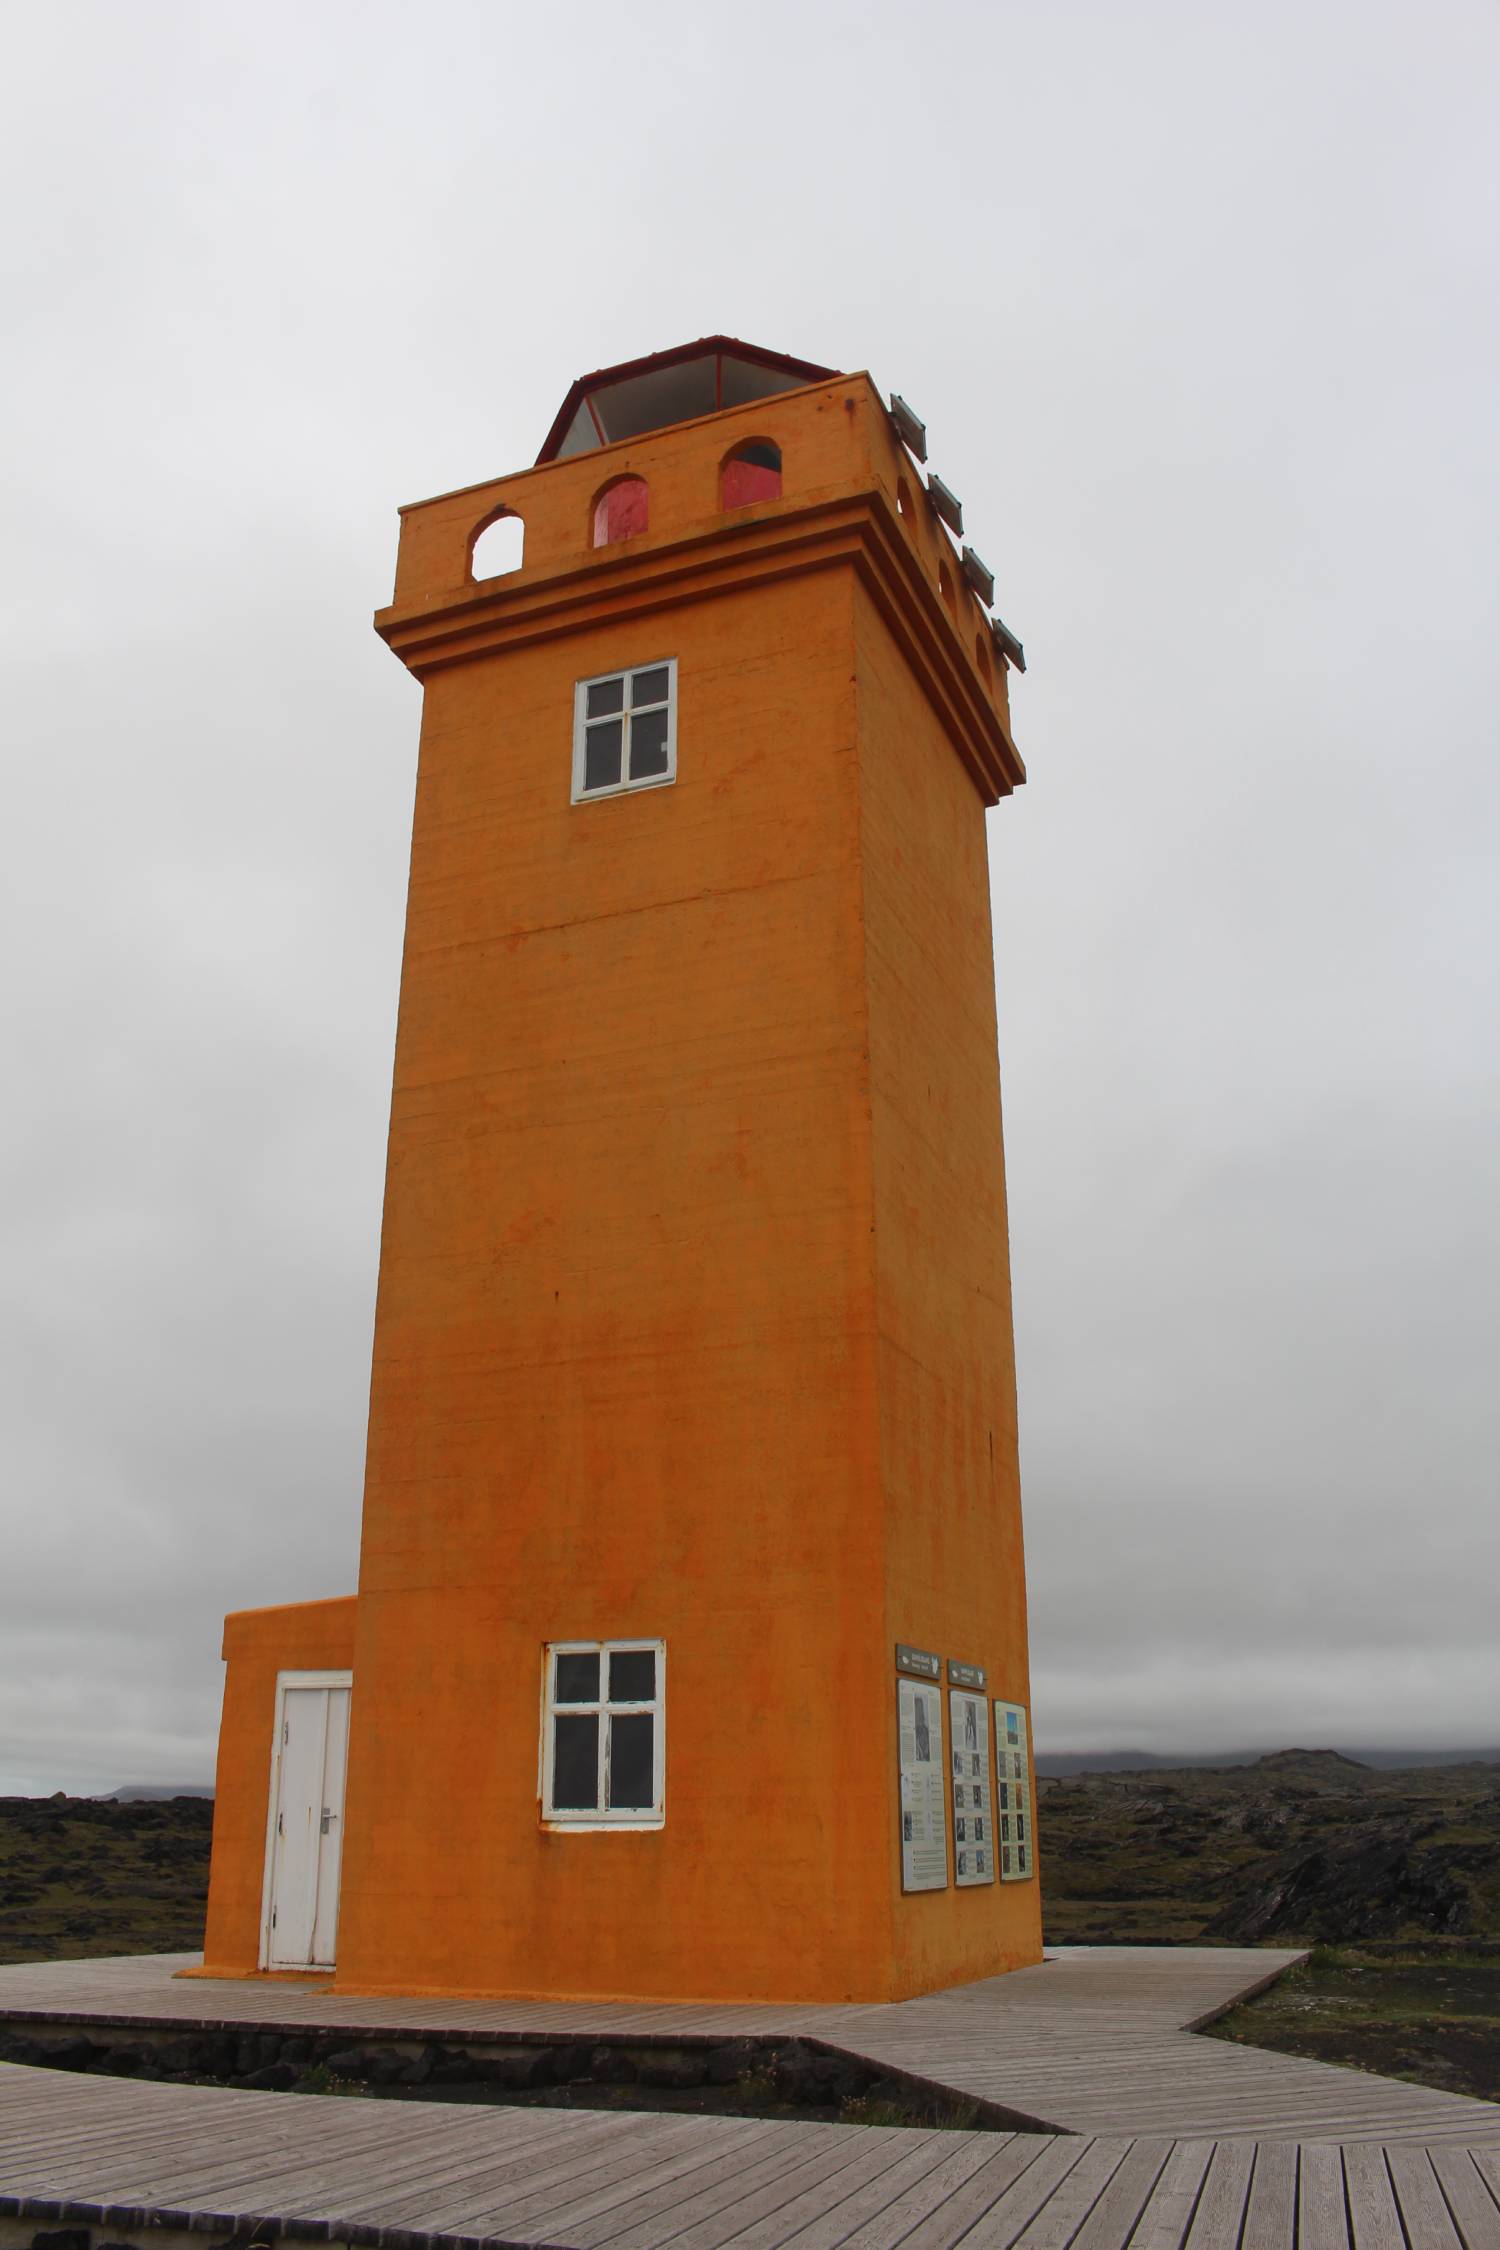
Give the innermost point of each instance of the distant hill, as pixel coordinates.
(154, 1792)
(1147, 1761)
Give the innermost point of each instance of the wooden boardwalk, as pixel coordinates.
(143, 2162)
(1165, 2141)
(1096, 2040)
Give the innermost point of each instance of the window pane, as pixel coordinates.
(575, 1762)
(577, 1679)
(601, 754)
(648, 744)
(648, 687)
(630, 1762)
(605, 696)
(632, 1675)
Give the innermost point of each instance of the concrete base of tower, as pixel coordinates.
(800, 1904)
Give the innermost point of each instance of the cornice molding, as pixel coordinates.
(854, 531)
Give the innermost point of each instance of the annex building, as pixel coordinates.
(688, 1658)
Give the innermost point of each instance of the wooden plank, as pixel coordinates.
(882, 2206)
(1322, 2214)
(534, 2180)
(1005, 2194)
(241, 2176)
(724, 2183)
(729, 2193)
(1475, 2212)
(786, 2202)
(1114, 2216)
(613, 2202)
(1059, 2217)
(1168, 2214)
(1420, 2201)
(1271, 2213)
(1221, 2206)
(843, 2201)
(983, 2189)
(1373, 2220)
(1044, 2212)
(876, 2225)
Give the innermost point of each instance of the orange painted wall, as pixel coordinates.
(258, 1643)
(693, 1315)
(624, 1351)
(945, 1352)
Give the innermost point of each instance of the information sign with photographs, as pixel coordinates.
(924, 1827)
(1013, 1776)
(973, 1814)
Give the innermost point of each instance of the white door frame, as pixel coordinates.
(285, 1680)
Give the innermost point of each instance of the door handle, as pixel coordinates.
(328, 1817)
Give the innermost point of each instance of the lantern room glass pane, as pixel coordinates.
(581, 435)
(654, 400)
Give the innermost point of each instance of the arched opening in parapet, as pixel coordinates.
(752, 472)
(622, 511)
(982, 656)
(945, 586)
(497, 546)
(905, 505)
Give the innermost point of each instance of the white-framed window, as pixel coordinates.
(604, 1733)
(625, 730)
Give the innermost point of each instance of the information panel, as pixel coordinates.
(973, 1815)
(1013, 1774)
(924, 1827)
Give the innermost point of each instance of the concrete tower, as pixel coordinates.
(691, 1613)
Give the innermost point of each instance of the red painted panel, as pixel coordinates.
(747, 481)
(622, 512)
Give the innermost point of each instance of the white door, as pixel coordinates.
(307, 1820)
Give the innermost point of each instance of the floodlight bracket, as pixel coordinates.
(946, 504)
(911, 431)
(1006, 642)
(980, 578)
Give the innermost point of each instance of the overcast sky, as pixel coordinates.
(1200, 304)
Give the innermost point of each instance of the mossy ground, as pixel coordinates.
(1393, 1875)
(1427, 2013)
(79, 1877)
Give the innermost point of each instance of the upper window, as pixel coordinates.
(603, 1733)
(625, 730)
(752, 472)
(622, 511)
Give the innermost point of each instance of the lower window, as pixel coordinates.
(603, 1749)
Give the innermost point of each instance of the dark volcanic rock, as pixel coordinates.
(1369, 1885)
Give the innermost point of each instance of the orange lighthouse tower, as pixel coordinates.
(689, 1653)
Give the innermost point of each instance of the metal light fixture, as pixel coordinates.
(949, 507)
(981, 579)
(1006, 642)
(911, 432)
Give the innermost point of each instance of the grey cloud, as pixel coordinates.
(1200, 306)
